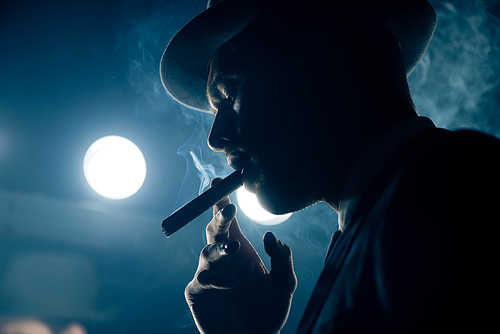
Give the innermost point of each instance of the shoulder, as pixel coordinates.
(453, 174)
(447, 196)
(438, 239)
(452, 186)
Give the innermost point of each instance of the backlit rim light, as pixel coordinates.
(250, 206)
(114, 167)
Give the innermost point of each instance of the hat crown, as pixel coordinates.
(210, 3)
(183, 67)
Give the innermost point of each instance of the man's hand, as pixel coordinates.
(232, 291)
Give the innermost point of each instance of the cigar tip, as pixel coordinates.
(202, 203)
(167, 234)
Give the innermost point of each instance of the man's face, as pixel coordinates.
(266, 122)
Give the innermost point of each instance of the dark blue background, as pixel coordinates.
(72, 72)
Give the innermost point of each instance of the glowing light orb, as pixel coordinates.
(114, 167)
(250, 206)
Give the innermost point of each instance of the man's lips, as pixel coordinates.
(237, 159)
(240, 159)
(251, 177)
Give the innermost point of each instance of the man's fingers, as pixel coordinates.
(215, 181)
(281, 261)
(218, 228)
(215, 252)
(223, 202)
(208, 279)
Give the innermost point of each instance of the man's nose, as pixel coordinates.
(223, 128)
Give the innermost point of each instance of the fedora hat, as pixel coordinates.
(184, 64)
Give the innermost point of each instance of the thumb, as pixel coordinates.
(281, 261)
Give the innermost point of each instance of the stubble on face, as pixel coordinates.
(273, 124)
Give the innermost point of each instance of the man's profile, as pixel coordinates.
(311, 100)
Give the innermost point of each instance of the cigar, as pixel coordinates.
(202, 203)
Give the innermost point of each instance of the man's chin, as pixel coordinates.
(274, 191)
(252, 178)
(274, 208)
(279, 202)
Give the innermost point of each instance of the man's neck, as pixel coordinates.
(358, 133)
(372, 160)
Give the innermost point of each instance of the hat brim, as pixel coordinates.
(184, 64)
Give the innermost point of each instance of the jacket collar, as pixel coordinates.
(372, 160)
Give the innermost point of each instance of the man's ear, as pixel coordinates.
(317, 46)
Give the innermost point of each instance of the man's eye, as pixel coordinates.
(230, 103)
(234, 102)
(228, 92)
(231, 97)
(227, 102)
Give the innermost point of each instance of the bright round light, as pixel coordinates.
(250, 206)
(114, 167)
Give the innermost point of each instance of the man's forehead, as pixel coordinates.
(223, 61)
(223, 54)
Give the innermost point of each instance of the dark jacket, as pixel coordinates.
(421, 250)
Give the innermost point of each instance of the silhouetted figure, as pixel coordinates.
(311, 98)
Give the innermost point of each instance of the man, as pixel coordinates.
(311, 99)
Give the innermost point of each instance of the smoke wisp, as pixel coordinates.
(457, 81)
